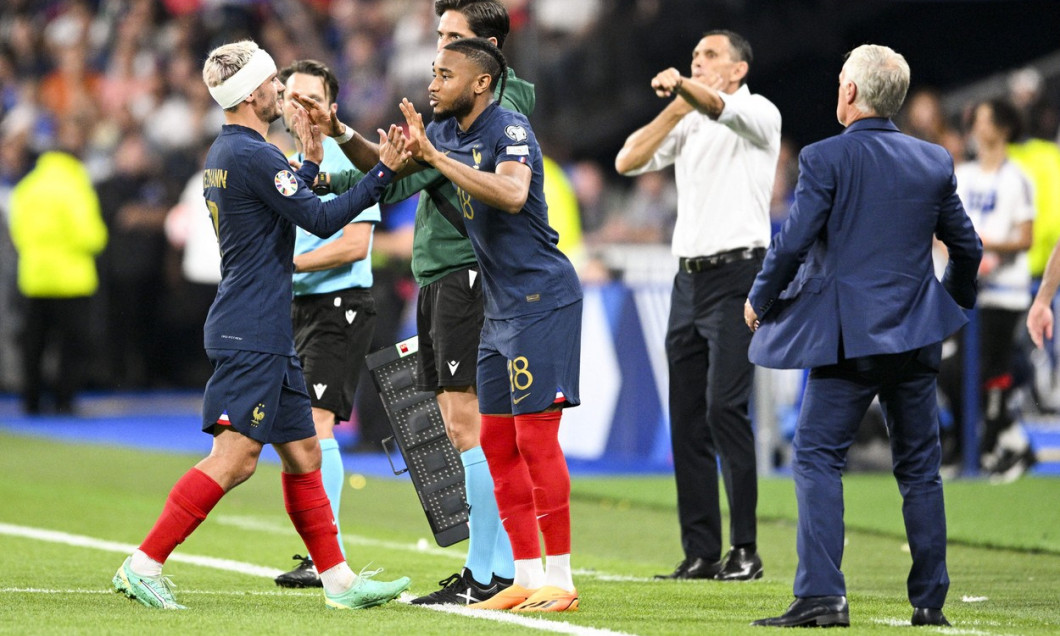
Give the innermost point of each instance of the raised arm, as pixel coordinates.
(1040, 316)
(362, 153)
(640, 147)
(506, 189)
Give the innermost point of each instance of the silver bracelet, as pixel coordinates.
(344, 137)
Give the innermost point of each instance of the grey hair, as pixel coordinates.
(225, 60)
(882, 78)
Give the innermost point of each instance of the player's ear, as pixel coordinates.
(482, 83)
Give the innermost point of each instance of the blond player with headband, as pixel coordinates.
(257, 394)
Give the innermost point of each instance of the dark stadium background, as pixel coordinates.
(598, 93)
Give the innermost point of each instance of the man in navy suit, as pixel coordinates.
(847, 289)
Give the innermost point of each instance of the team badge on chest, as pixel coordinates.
(285, 183)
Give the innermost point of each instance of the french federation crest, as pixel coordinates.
(515, 133)
(285, 183)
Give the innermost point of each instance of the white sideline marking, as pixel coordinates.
(55, 536)
(38, 590)
(261, 525)
(271, 527)
(894, 622)
(524, 621)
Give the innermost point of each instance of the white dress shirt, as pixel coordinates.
(724, 171)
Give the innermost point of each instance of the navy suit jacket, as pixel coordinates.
(853, 260)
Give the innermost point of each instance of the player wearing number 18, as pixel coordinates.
(529, 352)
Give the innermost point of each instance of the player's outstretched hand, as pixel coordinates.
(392, 148)
(326, 118)
(309, 134)
(418, 145)
(1040, 323)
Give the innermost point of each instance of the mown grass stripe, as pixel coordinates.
(55, 536)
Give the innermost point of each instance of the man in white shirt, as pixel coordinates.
(724, 142)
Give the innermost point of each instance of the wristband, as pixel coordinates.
(344, 137)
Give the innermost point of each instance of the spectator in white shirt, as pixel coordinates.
(999, 200)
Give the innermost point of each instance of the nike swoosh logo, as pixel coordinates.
(520, 398)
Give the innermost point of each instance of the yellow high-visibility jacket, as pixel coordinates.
(57, 229)
(1040, 160)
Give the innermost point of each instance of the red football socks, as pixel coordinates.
(511, 485)
(537, 435)
(310, 511)
(191, 499)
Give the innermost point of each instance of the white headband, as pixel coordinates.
(244, 81)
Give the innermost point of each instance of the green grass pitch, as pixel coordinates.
(67, 513)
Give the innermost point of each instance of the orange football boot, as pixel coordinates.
(505, 599)
(550, 599)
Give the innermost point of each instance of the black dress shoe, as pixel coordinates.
(929, 616)
(696, 568)
(812, 611)
(740, 564)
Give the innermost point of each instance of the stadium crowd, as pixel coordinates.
(117, 84)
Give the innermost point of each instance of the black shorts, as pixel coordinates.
(332, 333)
(449, 322)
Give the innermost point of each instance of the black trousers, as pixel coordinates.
(61, 322)
(710, 388)
(997, 347)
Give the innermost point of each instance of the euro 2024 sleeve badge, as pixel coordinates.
(285, 182)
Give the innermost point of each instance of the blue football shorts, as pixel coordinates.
(261, 395)
(528, 363)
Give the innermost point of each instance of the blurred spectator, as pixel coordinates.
(15, 161)
(563, 213)
(365, 92)
(21, 30)
(784, 184)
(134, 206)
(1026, 90)
(648, 213)
(73, 87)
(998, 198)
(1039, 157)
(57, 229)
(923, 117)
(415, 47)
(189, 229)
(8, 80)
(597, 199)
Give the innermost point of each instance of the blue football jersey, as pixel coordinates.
(523, 272)
(256, 201)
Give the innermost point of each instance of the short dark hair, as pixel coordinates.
(317, 69)
(1005, 115)
(741, 48)
(485, 18)
(487, 57)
